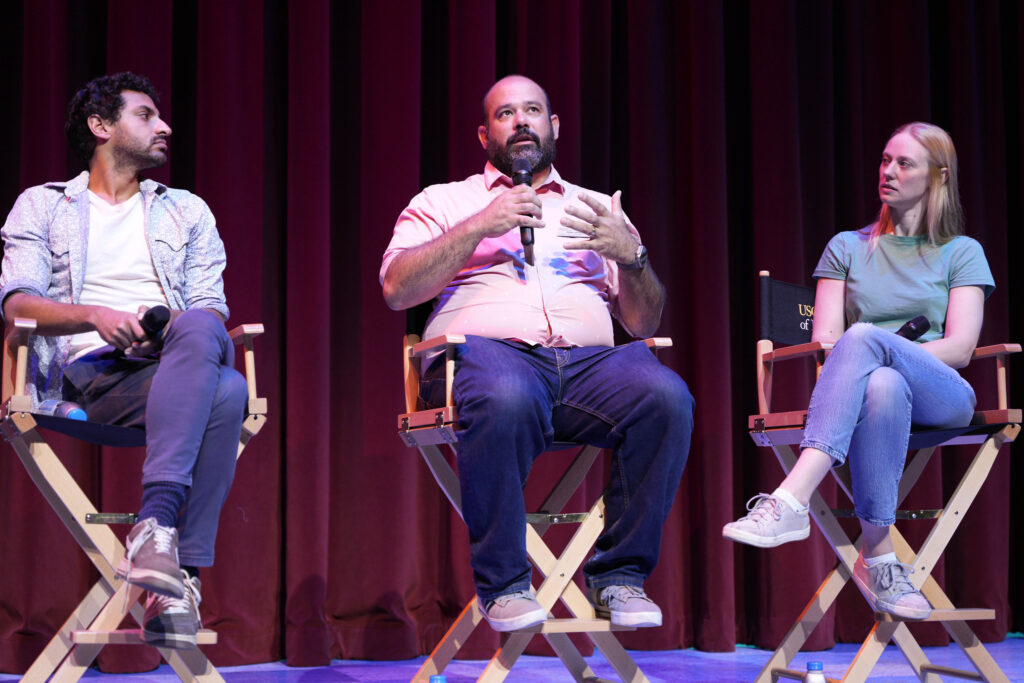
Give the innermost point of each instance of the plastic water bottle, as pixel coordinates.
(68, 409)
(815, 673)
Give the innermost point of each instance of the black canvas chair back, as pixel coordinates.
(787, 311)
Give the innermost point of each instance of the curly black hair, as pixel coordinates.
(100, 96)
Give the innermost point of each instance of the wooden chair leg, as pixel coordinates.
(452, 641)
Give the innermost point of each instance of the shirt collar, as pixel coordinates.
(80, 183)
(493, 176)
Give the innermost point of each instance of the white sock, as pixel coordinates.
(881, 559)
(789, 499)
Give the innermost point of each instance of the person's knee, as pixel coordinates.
(202, 323)
(887, 390)
(666, 397)
(232, 391)
(859, 333)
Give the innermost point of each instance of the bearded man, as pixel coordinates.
(86, 258)
(539, 364)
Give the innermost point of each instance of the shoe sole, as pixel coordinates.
(153, 581)
(173, 641)
(748, 538)
(630, 619)
(515, 624)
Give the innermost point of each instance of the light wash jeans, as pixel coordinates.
(873, 387)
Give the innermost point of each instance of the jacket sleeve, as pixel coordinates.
(27, 263)
(204, 265)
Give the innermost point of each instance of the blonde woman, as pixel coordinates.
(914, 260)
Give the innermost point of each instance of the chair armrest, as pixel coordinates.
(423, 347)
(655, 343)
(15, 363)
(995, 350)
(243, 335)
(796, 351)
(999, 352)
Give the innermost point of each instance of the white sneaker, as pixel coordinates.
(889, 586)
(769, 523)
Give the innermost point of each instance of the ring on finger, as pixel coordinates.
(593, 233)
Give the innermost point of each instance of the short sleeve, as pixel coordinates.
(834, 263)
(419, 223)
(969, 267)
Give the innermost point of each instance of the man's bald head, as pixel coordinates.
(488, 105)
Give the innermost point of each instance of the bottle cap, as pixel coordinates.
(814, 666)
(438, 679)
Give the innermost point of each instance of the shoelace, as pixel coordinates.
(505, 599)
(895, 574)
(188, 604)
(162, 538)
(761, 507)
(622, 594)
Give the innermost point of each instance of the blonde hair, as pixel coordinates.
(943, 216)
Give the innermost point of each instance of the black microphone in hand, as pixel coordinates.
(522, 174)
(153, 322)
(912, 329)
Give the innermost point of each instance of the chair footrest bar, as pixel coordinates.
(900, 514)
(566, 518)
(955, 673)
(575, 626)
(131, 637)
(796, 675)
(111, 518)
(961, 614)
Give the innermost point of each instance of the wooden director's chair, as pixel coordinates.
(786, 311)
(430, 428)
(94, 623)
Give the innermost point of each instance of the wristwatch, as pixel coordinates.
(640, 262)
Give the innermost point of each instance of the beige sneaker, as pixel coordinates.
(514, 611)
(769, 523)
(889, 586)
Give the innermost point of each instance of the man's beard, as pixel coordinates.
(541, 154)
(139, 158)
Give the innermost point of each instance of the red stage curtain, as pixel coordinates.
(743, 135)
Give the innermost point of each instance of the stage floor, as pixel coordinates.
(672, 666)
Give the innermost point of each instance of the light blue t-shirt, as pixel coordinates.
(902, 277)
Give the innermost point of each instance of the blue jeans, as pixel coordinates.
(191, 402)
(514, 401)
(873, 387)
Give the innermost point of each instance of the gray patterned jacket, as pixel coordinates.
(45, 239)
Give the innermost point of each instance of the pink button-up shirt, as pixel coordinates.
(566, 300)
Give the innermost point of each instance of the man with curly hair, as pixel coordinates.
(86, 258)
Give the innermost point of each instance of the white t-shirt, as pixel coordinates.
(119, 271)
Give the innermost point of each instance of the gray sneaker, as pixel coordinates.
(769, 522)
(625, 606)
(514, 611)
(174, 622)
(889, 586)
(151, 559)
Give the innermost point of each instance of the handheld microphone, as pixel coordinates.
(912, 329)
(522, 174)
(154, 320)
